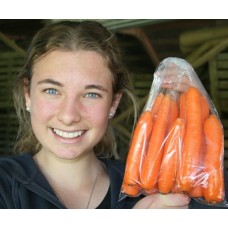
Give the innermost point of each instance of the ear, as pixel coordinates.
(115, 103)
(27, 93)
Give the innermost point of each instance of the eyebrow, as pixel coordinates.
(95, 86)
(53, 82)
(49, 81)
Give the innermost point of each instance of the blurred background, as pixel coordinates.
(202, 42)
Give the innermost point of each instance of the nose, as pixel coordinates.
(69, 112)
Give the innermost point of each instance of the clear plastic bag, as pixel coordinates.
(178, 141)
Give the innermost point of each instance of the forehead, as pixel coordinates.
(72, 65)
(87, 58)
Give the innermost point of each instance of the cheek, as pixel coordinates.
(99, 116)
(41, 110)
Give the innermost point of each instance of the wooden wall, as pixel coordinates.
(164, 37)
(10, 63)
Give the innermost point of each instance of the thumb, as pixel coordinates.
(177, 199)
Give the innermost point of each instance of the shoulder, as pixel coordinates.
(8, 163)
(14, 159)
(16, 166)
(14, 170)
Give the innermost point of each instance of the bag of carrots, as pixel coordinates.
(178, 142)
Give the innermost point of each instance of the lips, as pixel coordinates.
(68, 135)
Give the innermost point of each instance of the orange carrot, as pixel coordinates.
(192, 140)
(205, 108)
(182, 115)
(156, 104)
(136, 152)
(130, 190)
(173, 112)
(213, 191)
(196, 191)
(135, 156)
(182, 106)
(172, 149)
(152, 161)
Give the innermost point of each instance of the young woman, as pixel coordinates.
(71, 85)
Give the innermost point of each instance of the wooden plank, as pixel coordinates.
(142, 84)
(6, 70)
(219, 85)
(10, 54)
(226, 143)
(5, 81)
(222, 64)
(225, 133)
(223, 94)
(222, 56)
(8, 121)
(140, 92)
(223, 84)
(224, 109)
(15, 61)
(11, 125)
(214, 83)
(142, 76)
(223, 74)
(226, 163)
(10, 64)
(225, 122)
(7, 104)
(11, 132)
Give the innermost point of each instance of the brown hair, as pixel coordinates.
(71, 36)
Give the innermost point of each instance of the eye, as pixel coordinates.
(51, 91)
(92, 95)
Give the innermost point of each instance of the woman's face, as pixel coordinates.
(70, 100)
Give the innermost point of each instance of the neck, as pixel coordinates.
(62, 171)
(80, 183)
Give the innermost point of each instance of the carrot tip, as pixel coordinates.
(131, 190)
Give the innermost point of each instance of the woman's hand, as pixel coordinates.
(163, 201)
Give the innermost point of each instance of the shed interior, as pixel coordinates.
(202, 42)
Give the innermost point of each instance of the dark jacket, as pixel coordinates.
(22, 185)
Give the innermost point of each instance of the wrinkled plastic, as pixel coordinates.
(170, 149)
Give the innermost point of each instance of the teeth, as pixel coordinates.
(68, 135)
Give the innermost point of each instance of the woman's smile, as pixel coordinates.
(68, 135)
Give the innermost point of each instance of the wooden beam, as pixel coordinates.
(12, 44)
(200, 59)
(146, 42)
(197, 37)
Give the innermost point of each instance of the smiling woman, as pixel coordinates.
(72, 83)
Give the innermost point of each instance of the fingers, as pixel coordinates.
(173, 200)
(164, 201)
